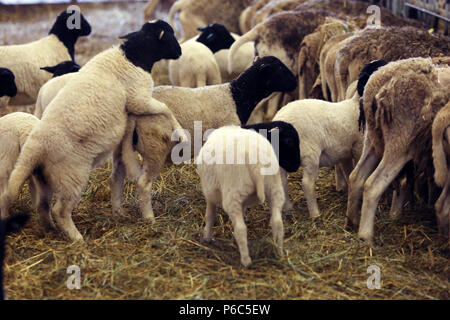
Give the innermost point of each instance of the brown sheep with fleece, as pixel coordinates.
(390, 44)
(399, 104)
(272, 8)
(245, 20)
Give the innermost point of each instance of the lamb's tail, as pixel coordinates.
(176, 7)
(129, 155)
(440, 125)
(258, 180)
(252, 35)
(27, 162)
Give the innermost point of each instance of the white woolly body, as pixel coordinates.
(25, 62)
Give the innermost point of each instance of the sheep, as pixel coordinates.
(14, 130)
(391, 44)
(150, 8)
(26, 60)
(8, 88)
(218, 39)
(79, 131)
(214, 106)
(441, 154)
(61, 75)
(197, 13)
(196, 68)
(329, 136)
(326, 64)
(243, 180)
(399, 103)
(281, 36)
(11, 225)
(310, 51)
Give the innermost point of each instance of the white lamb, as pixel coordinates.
(239, 180)
(196, 68)
(329, 134)
(26, 60)
(86, 121)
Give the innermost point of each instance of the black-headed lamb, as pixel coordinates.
(11, 225)
(26, 60)
(211, 106)
(8, 88)
(239, 168)
(399, 104)
(87, 119)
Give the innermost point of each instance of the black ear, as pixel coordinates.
(202, 28)
(50, 69)
(130, 35)
(16, 223)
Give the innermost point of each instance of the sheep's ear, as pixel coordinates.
(128, 36)
(16, 223)
(202, 28)
(49, 69)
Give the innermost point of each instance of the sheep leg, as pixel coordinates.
(236, 213)
(210, 217)
(443, 210)
(310, 172)
(376, 184)
(398, 197)
(276, 221)
(341, 181)
(117, 182)
(4, 207)
(144, 188)
(42, 196)
(359, 175)
(288, 205)
(62, 212)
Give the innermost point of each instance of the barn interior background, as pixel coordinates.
(128, 259)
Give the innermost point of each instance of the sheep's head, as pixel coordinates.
(62, 68)
(71, 23)
(273, 75)
(7, 83)
(155, 41)
(286, 145)
(216, 37)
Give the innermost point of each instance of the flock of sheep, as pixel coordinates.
(310, 77)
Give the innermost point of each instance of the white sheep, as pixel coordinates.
(86, 121)
(196, 68)
(240, 178)
(26, 60)
(329, 135)
(219, 40)
(214, 106)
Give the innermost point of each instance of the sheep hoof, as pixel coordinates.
(246, 262)
(208, 240)
(118, 212)
(367, 240)
(150, 219)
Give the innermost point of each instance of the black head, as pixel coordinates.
(366, 72)
(289, 143)
(272, 75)
(69, 26)
(62, 68)
(7, 83)
(155, 41)
(216, 37)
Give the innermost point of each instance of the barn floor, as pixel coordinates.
(127, 258)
